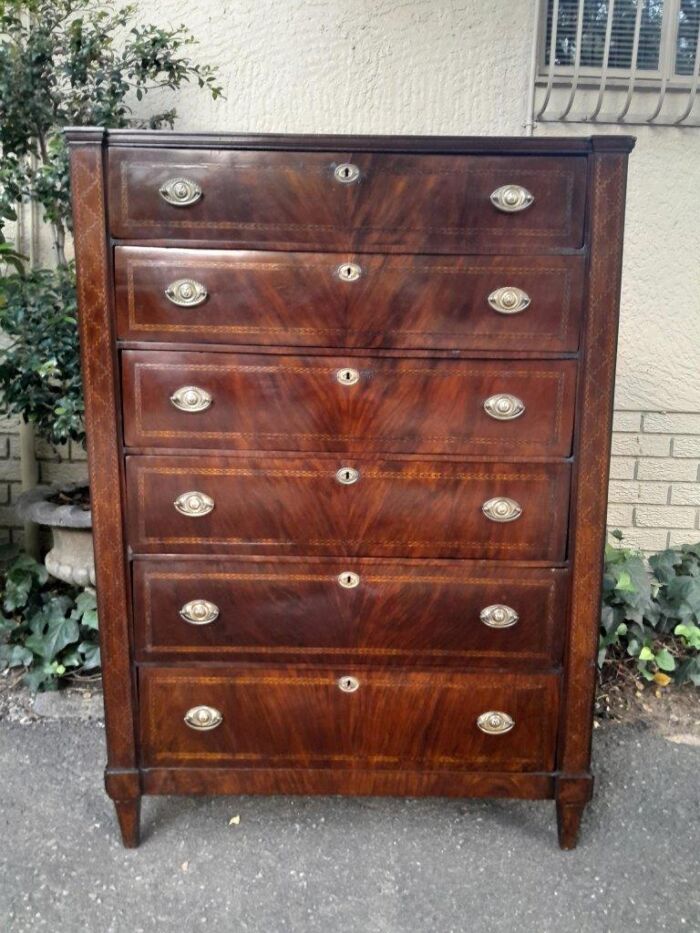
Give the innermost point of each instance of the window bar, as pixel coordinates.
(577, 62)
(633, 62)
(692, 90)
(668, 45)
(606, 57)
(552, 56)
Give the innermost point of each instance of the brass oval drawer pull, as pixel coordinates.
(203, 718)
(498, 616)
(180, 192)
(502, 509)
(186, 293)
(347, 476)
(504, 407)
(509, 300)
(347, 377)
(348, 272)
(193, 504)
(346, 173)
(191, 398)
(349, 580)
(348, 684)
(495, 723)
(511, 198)
(200, 612)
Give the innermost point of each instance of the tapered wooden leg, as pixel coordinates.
(572, 794)
(568, 822)
(129, 814)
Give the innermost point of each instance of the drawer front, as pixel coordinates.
(389, 611)
(227, 401)
(406, 203)
(303, 299)
(279, 717)
(305, 506)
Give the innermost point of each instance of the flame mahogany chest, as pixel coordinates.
(348, 404)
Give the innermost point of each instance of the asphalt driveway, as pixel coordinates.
(346, 865)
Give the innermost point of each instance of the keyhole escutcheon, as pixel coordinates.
(347, 377)
(348, 580)
(349, 272)
(346, 476)
(346, 173)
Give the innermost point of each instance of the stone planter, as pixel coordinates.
(71, 557)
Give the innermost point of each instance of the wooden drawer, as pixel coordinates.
(366, 404)
(384, 610)
(405, 203)
(299, 299)
(285, 717)
(298, 506)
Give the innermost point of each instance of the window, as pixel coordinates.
(593, 33)
(617, 52)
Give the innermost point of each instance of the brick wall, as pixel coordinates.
(67, 465)
(655, 478)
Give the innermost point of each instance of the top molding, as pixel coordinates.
(562, 145)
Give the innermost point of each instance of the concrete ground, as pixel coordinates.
(345, 865)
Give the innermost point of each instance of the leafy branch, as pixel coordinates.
(65, 63)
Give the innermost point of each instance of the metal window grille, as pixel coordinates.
(619, 61)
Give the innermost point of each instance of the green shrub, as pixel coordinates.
(47, 627)
(66, 63)
(650, 617)
(40, 365)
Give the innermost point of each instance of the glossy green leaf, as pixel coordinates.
(665, 660)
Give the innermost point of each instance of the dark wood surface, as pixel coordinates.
(306, 404)
(298, 299)
(366, 782)
(292, 505)
(401, 203)
(453, 145)
(282, 717)
(266, 240)
(608, 175)
(102, 402)
(399, 613)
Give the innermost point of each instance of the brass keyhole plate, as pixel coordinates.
(348, 580)
(347, 476)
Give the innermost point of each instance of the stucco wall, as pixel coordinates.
(462, 67)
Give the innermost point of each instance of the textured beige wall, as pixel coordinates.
(443, 66)
(462, 67)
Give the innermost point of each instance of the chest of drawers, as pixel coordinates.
(348, 404)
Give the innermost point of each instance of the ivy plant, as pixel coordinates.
(47, 628)
(650, 619)
(66, 63)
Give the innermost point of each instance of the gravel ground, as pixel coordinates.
(315, 865)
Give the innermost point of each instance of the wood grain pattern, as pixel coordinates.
(401, 203)
(100, 380)
(355, 782)
(595, 404)
(292, 505)
(266, 240)
(448, 145)
(299, 404)
(297, 299)
(282, 717)
(399, 613)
